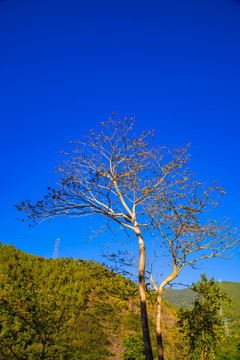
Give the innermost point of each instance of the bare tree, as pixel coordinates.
(139, 187)
(113, 174)
(184, 231)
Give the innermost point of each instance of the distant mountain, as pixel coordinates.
(231, 312)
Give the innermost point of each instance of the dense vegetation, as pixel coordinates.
(202, 324)
(71, 309)
(229, 311)
(75, 309)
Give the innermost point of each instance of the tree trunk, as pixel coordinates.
(203, 349)
(159, 311)
(43, 352)
(142, 292)
(158, 327)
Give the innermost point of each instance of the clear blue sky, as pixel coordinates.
(65, 66)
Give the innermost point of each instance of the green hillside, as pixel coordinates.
(231, 311)
(68, 309)
(179, 298)
(71, 309)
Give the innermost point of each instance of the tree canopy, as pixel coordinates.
(203, 325)
(140, 187)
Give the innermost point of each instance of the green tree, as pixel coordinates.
(202, 325)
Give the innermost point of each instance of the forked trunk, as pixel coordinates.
(142, 292)
(159, 327)
(159, 311)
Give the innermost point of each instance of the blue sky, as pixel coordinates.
(65, 66)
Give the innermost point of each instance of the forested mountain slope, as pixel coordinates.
(230, 311)
(70, 309)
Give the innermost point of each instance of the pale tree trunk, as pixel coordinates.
(159, 326)
(159, 311)
(142, 292)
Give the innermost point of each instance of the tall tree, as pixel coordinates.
(181, 227)
(202, 325)
(126, 179)
(112, 174)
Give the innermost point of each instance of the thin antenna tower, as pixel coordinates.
(55, 254)
(226, 329)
